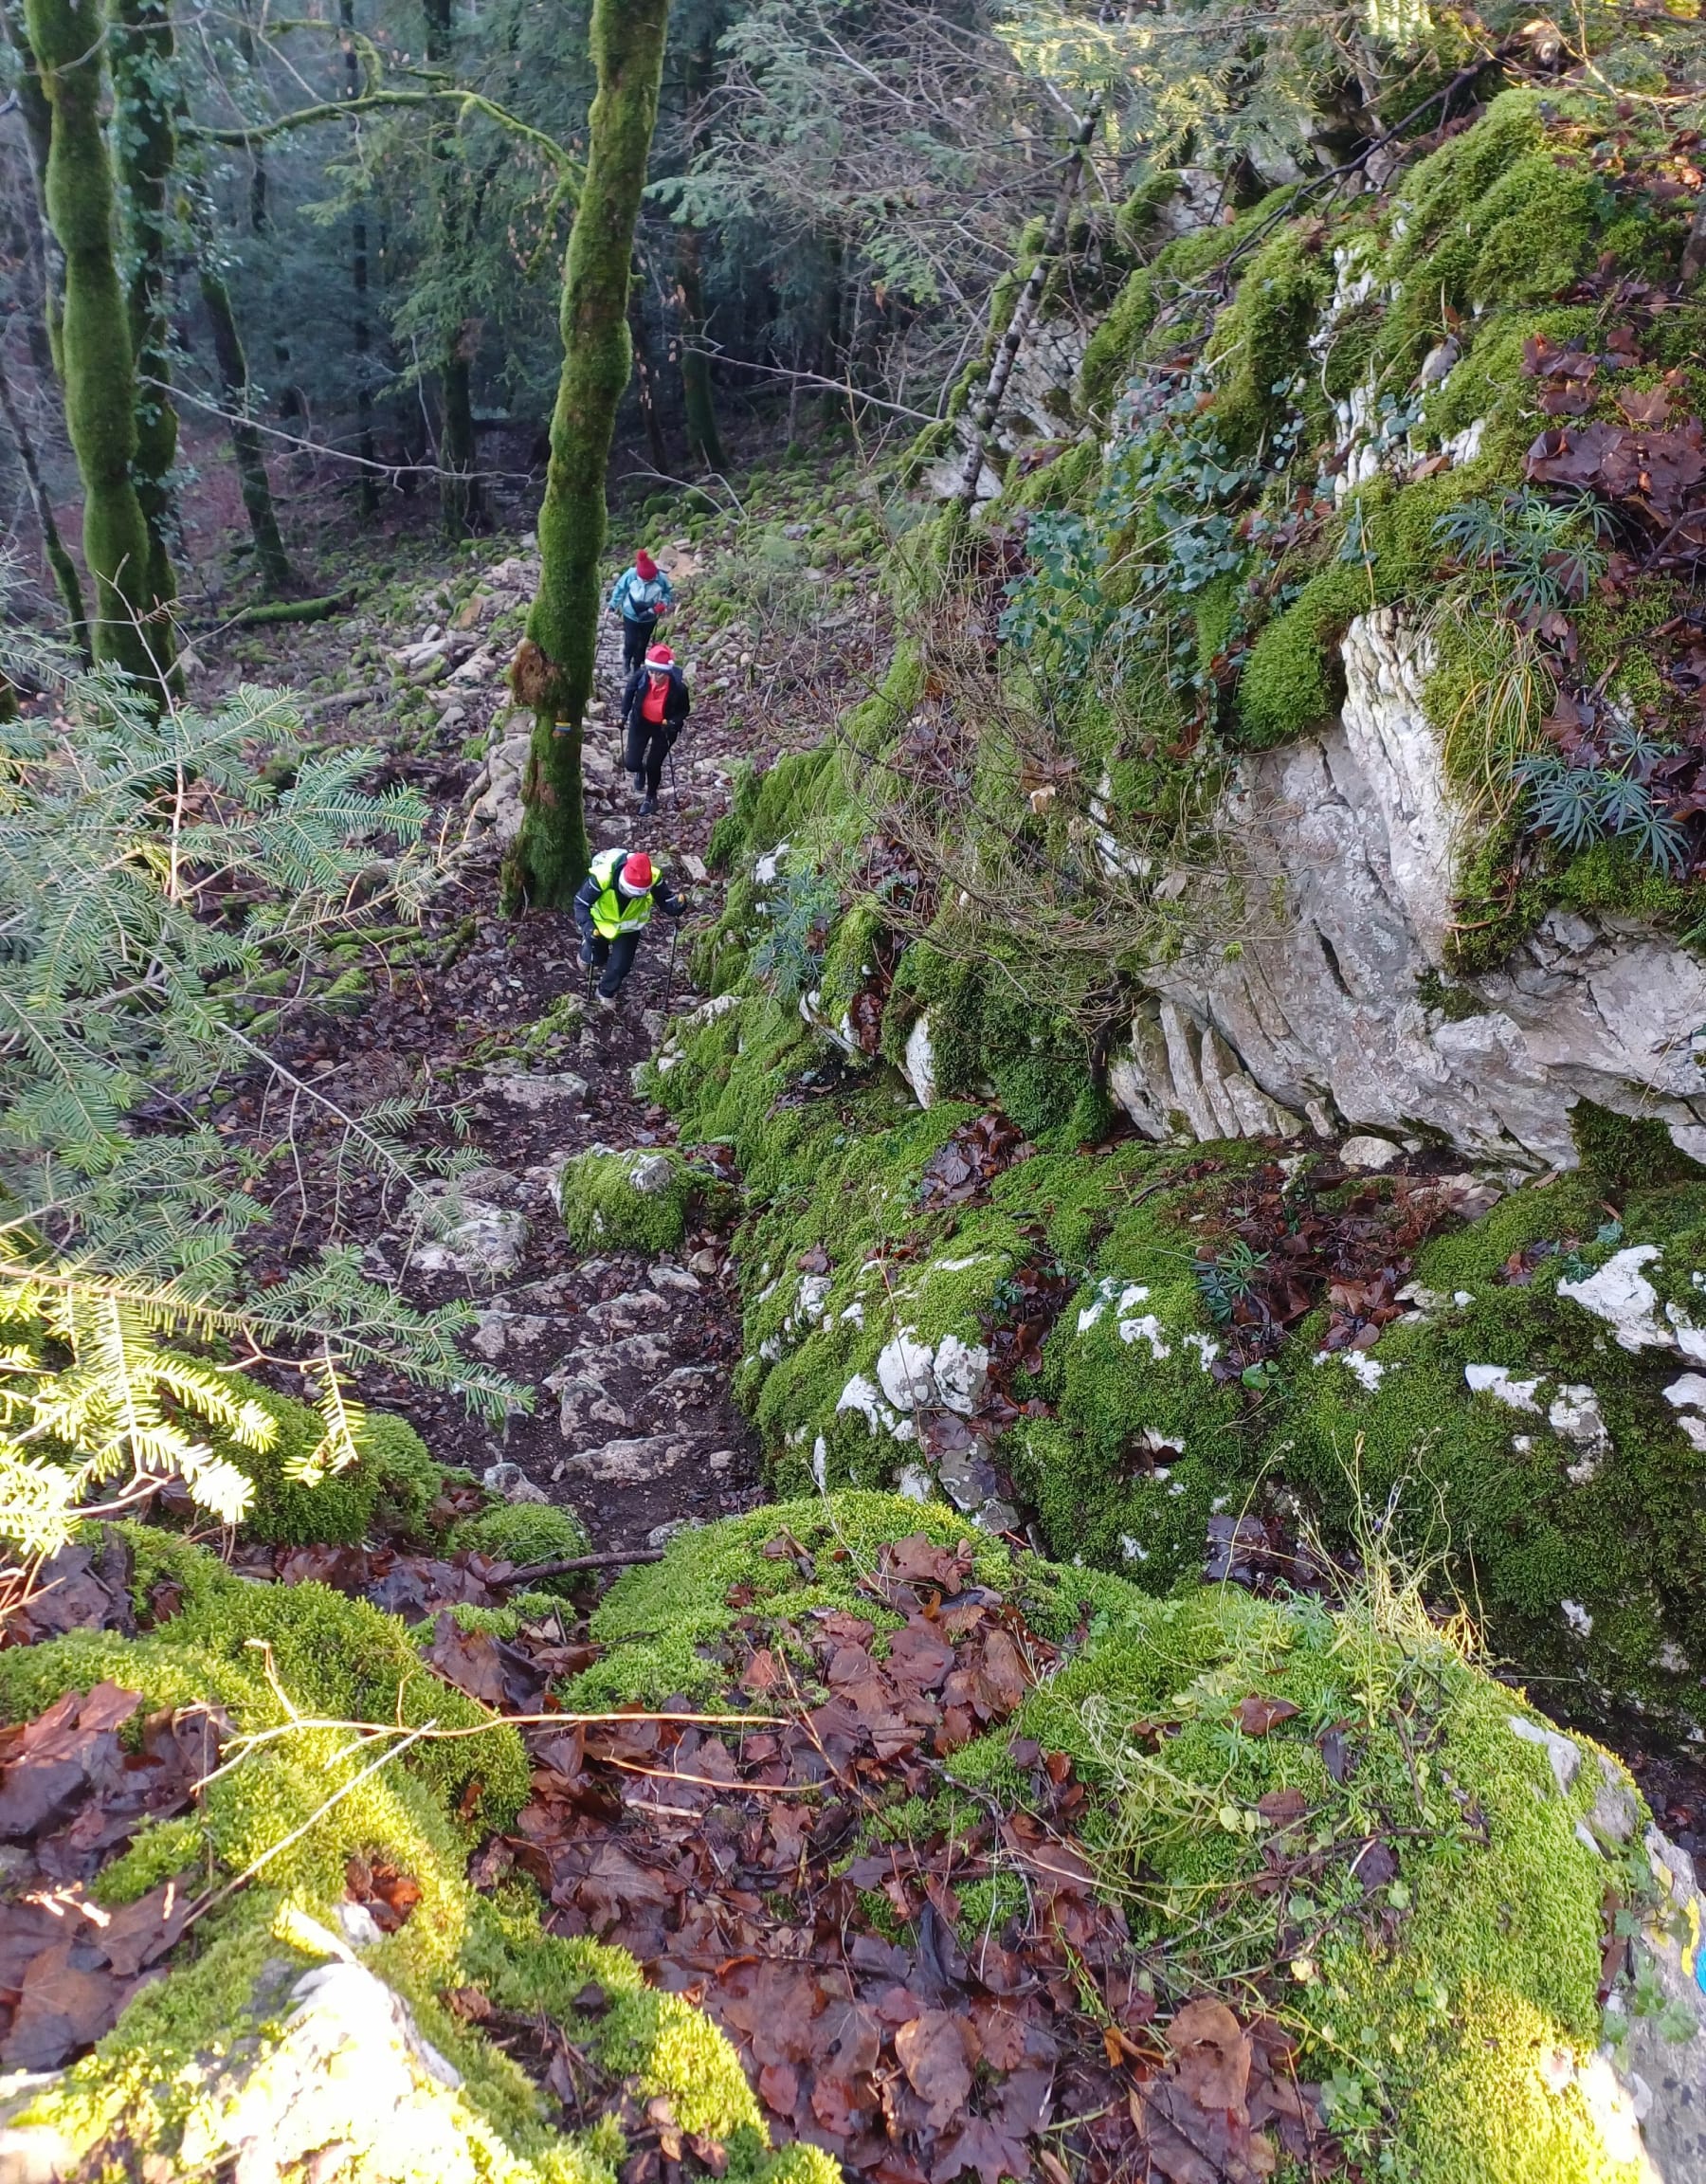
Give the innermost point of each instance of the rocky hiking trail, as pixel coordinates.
(482, 1020)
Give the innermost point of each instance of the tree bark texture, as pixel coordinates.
(553, 670)
(645, 378)
(361, 333)
(38, 129)
(145, 99)
(53, 546)
(702, 435)
(461, 497)
(1025, 309)
(272, 562)
(100, 384)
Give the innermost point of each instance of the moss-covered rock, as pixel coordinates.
(526, 1531)
(391, 1485)
(636, 1200)
(295, 1667)
(1426, 1998)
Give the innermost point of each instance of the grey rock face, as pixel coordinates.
(1320, 1017)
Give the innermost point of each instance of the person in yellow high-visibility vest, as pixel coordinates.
(613, 908)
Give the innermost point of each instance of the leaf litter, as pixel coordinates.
(752, 1870)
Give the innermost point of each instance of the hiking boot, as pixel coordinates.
(605, 1000)
(648, 806)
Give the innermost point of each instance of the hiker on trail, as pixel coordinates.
(655, 707)
(641, 596)
(613, 908)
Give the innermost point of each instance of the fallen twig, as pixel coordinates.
(565, 1565)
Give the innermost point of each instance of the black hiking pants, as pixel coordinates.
(648, 745)
(615, 959)
(636, 636)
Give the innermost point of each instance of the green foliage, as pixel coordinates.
(800, 911)
(156, 890)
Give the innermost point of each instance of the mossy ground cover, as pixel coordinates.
(1228, 1827)
(297, 1669)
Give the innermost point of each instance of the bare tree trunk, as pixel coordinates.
(361, 337)
(53, 546)
(1025, 309)
(38, 130)
(271, 561)
(645, 378)
(702, 435)
(461, 497)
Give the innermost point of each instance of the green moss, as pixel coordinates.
(1629, 1152)
(1262, 339)
(525, 1532)
(1113, 347)
(606, 1208)
(1293, 681)
(1488, 1946)
(393, 1485)
(765, 802)
(157, 2078)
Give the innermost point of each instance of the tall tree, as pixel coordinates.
(38, 130)
(461, 497)
(101, 383)
(554, 668)
(145, 102)
(361, 331)
(702, 435)
(272, 563)
(53, 546)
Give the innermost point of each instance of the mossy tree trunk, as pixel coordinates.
(553, 669)
(461, 497)
(53, 546)
(38, 130)
(145, 102)
(272, 563)
(67, 38)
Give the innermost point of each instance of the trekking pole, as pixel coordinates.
(675, 787)
(675, 934)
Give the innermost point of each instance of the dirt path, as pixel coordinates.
(628, 1363)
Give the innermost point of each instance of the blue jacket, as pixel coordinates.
(635, 599)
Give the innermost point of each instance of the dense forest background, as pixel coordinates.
(361, 227)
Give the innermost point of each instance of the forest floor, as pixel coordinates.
(621, 1367)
